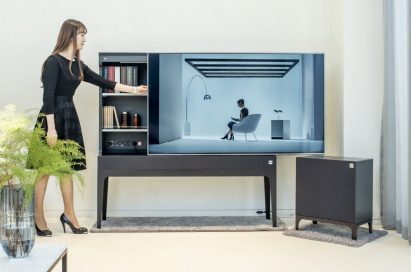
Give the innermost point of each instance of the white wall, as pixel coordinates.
(364, 83)
(209, 118)
(29, 30)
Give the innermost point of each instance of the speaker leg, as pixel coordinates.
(354, 232)
(297, 221)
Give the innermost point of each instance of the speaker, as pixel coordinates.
(335, 190)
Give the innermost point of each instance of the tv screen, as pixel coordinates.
(242, 103)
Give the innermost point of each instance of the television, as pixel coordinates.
(194, 99)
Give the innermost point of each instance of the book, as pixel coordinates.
(117, 74)
(109, 72)
(123, 74)
(105, 72)
(109, 117)
(116, 117)
(105, 75)
(105, 117)
(134, 76)
(129, 75)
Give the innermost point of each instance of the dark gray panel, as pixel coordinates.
(334, 188)
(325, 189)
(318, 97)
(170, 102)
(364, 190)
(154, 97)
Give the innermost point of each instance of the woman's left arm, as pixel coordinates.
(91, 77)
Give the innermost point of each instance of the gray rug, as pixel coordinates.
(335, 234)
(192, 223)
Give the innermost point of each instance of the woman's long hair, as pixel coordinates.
(68, 33)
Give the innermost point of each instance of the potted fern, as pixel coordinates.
(24, 158)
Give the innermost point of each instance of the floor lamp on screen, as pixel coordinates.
(187, 129)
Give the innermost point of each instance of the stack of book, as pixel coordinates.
(127, 75)
(109, 116)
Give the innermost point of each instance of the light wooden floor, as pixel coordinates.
(229, 251)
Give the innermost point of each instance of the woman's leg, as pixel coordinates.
(228, 132)
(39, 193)
(66, 186)
(230, 128)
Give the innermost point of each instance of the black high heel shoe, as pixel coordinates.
(225, 136)
(45, 233)
(64, 220)
(232, 137)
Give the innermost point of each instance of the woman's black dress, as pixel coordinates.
(59, 88)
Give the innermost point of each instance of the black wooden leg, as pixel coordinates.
(370, 227)
(354, 232)
(273, 191)
(64, 263)
(267, 197)
(100, 195)
(297, 221)
(105, 192)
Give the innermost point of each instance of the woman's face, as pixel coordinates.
(81, 39)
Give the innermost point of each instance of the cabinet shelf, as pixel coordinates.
(107, 63)
(122, 94)
(131, 129)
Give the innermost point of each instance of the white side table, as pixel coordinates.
(280, 129)
(42, 258)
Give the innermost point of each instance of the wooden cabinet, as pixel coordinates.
(115, 137)
(336, 190)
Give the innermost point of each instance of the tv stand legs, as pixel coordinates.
(270, 185)
(102, 190)
(105, 192)
(267, 198)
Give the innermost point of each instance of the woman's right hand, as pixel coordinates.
(51, 137)
(142, 89)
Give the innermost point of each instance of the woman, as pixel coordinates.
(62, 73)
(243, 113)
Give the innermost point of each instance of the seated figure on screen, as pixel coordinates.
(243, 114)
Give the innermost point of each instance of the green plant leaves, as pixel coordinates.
(25, 156)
